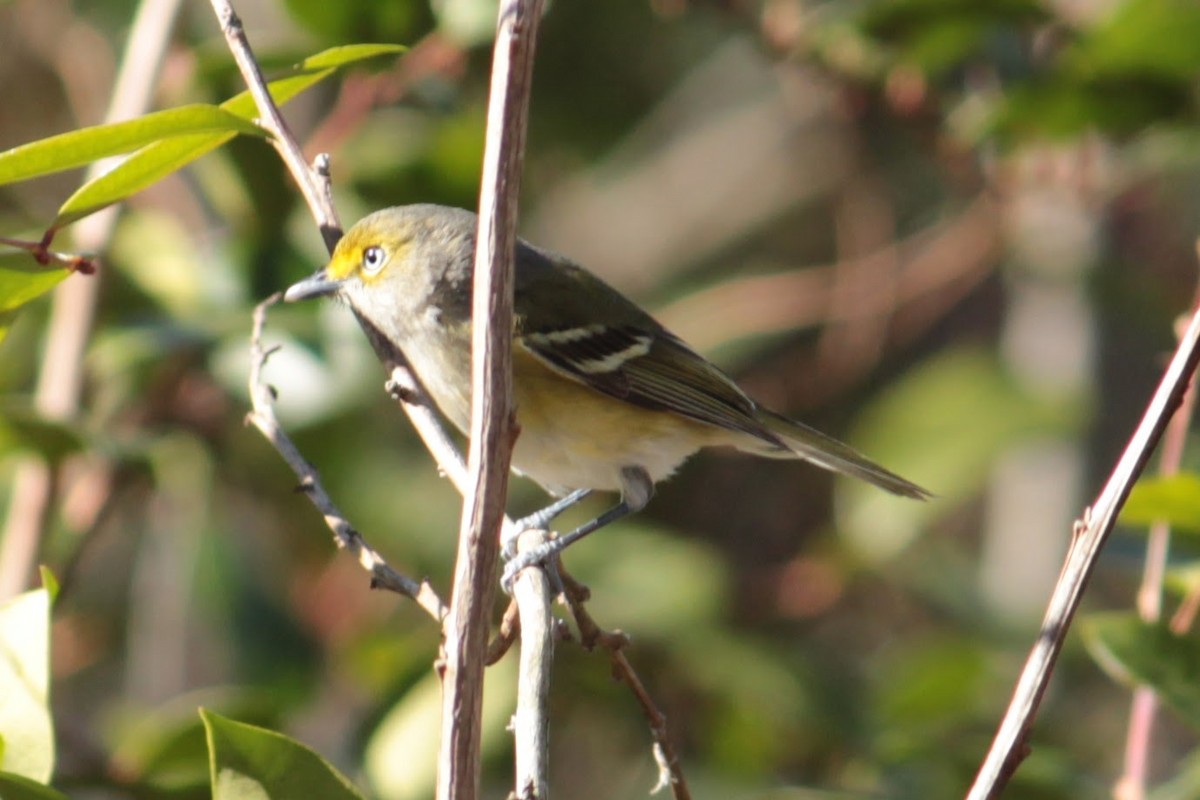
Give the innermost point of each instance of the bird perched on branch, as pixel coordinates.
(606, 397)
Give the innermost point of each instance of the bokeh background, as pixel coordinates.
(956, 234)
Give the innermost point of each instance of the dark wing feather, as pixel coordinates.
(632, 358)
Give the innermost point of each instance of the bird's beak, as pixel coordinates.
(316, 285)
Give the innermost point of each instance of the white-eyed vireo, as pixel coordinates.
(607, 399)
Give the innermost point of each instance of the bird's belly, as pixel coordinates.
(572, 436)
(582, 438)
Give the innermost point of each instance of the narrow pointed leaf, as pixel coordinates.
(144, 168)
(77, 148)
(251, 763)
(156, 161)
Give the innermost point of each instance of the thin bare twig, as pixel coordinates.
(313, 181)
(492, 423)
(60, 379)
(316, 188)
(670, 771)
(1009, 746)
(506, 636)
(262, 417)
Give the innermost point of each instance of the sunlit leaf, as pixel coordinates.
(250, 763)
(18, 787)
(156, 161)
(26, 727)
(1174, 500)
(83, 146)
(1135, 652)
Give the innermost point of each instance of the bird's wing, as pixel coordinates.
(629, 356)
(648, 368)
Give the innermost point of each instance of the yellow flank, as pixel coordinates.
(560, 419)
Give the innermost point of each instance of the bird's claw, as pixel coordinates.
(540, 556)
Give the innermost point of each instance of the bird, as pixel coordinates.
(607, 399)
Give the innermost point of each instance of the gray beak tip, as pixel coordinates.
(313, 286)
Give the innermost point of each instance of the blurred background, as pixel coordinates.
(956, 234)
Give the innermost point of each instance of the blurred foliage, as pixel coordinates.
(1135, 652)
(1174, 500)
(952, 232)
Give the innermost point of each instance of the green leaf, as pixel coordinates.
(21, 280)
(1134, 652)
(250, 763)
(166, 747)
(1174, 500)
(25, 723)
(156, 161)
(17, 787)
(77, 148)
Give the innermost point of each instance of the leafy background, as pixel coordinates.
(956, 233)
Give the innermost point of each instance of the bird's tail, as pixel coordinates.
(825, 451)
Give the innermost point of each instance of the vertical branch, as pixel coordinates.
(1009, 745)
(492, 427)
(61, 377)
(531, 723)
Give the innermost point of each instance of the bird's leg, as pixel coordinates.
(636, 490)
(538, 520)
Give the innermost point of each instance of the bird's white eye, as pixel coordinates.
(373, 259)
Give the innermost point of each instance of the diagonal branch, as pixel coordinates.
(591, 635)
(262, 417)
(1009, 746)
(313, 181)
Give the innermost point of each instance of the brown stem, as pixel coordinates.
(670, 771)
(492, 424)
(1091, 530)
